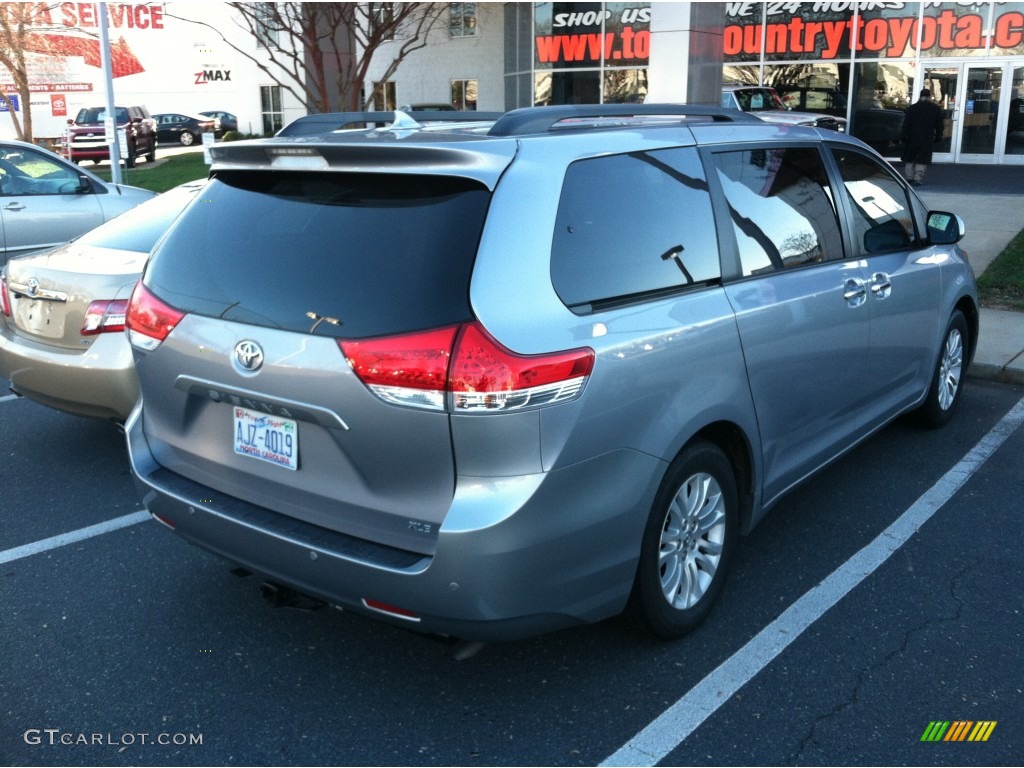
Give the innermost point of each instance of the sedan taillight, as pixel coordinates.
(149, 320)
(104, 317)
(5, 300)
(462, 369)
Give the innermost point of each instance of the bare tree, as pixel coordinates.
(19, 23)
(321, 52)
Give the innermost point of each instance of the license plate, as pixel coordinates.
(266, 437)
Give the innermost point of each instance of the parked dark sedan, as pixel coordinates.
(225, 121)
(183, 129)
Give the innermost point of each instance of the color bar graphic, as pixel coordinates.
(958, 730)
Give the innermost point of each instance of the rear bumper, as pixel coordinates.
(516, 556)
(99, 382)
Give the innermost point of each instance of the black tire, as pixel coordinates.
(129, 161)
(151, 155)
(947, 377)
(688, 543)
(186, 139)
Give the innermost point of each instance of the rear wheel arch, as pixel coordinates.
(736, 445)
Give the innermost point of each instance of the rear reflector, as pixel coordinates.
(461, 368)
(166, 521)
(149, 320)
(104, 317)
(391, 610)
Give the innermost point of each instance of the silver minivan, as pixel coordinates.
(493, 380)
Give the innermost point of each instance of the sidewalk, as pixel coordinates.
(990, 199)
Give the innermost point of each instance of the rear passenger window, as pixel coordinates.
(632, 225)
(882, 218)
(781, 206)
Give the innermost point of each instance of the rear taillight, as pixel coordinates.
(4, 298)
(149, 320)
(411, 369)
(104, 317)
(462, 368)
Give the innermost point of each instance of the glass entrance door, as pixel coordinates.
(1014, 146)
(980, 115)
(944, 84)
(984, 112)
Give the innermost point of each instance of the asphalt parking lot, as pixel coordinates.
(878, 598)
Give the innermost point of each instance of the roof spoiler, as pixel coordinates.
(326, 122)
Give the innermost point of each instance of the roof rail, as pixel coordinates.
(529, 120)
(336, 121)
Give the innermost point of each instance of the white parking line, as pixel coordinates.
(672, 727)
(26, 550)
(5, 398)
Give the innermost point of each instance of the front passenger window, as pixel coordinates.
(882, 218)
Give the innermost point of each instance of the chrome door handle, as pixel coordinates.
(881, 286)
(14, 207)
(854, 291)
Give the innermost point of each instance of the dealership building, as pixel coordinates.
(865, 61)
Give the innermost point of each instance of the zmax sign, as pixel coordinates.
(213, 76)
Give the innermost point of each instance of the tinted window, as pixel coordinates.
(882, 218)
(781, 207)
(633, 224)
(26, 172)
(381, 253)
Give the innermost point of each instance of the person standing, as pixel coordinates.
(923, 125)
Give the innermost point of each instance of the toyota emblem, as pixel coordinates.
(249, 355)
(32, 287)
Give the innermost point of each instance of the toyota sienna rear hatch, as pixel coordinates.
(312, 312)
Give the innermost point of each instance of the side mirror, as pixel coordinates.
(945, 228)
(84, 184)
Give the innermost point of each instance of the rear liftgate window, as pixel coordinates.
(373, 254)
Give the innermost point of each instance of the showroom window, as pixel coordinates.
(270, 105)
(384, 96)
(464, 94)
(462, 19)
(267, 30)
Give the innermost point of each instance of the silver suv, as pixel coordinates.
(494, 380)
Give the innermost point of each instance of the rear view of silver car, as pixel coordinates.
(494, 381)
